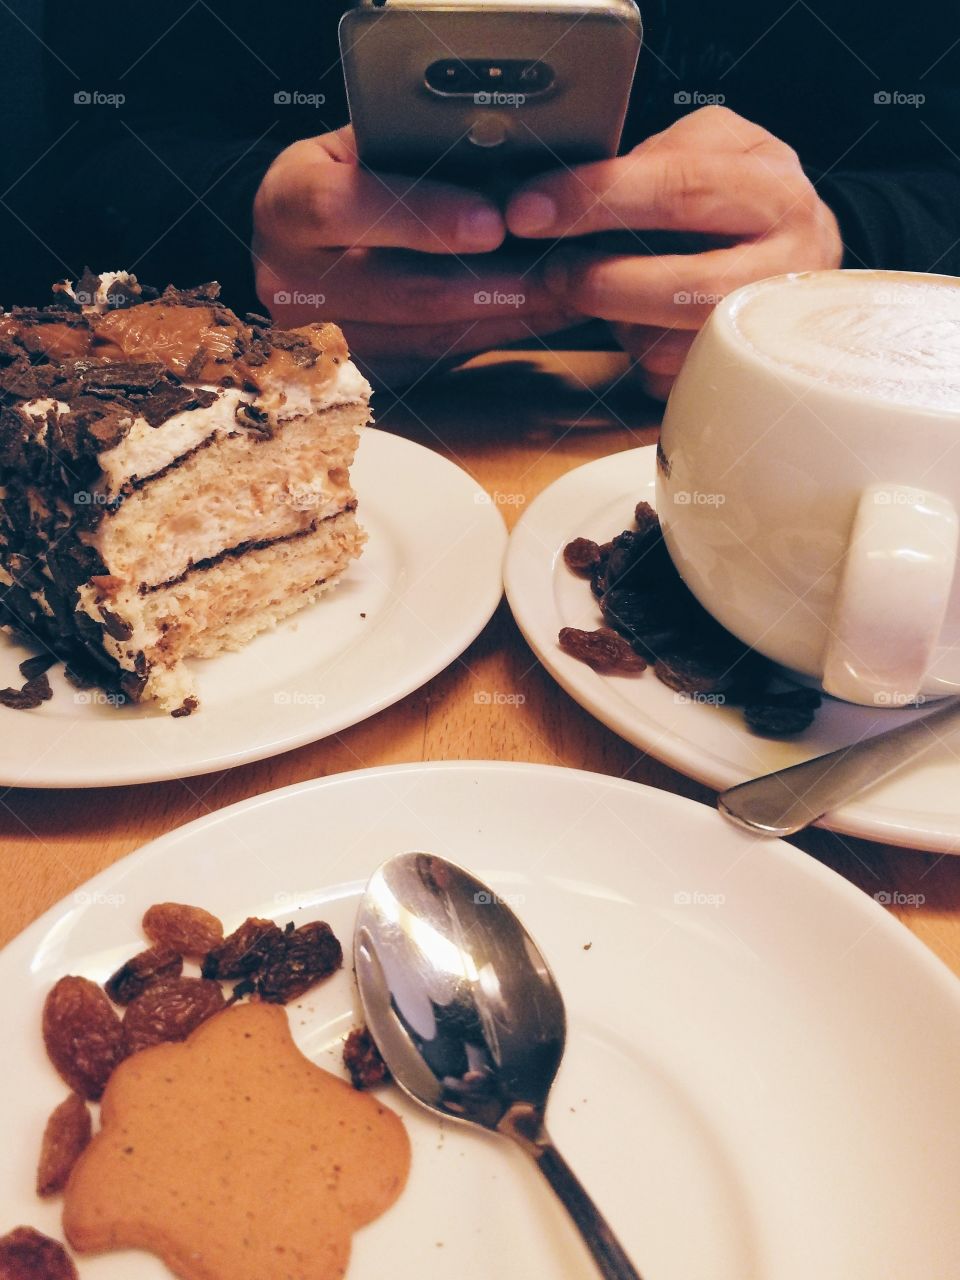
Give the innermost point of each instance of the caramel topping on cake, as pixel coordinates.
(308, 356)
(66, 339)
(63, 341)
(192, 342)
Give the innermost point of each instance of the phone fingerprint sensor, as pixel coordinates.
(488, 131)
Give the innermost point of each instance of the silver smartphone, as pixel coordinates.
(488, 93)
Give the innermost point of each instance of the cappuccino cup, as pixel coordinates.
(808, 478)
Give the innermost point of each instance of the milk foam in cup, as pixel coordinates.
(887, 335)
(808, 477)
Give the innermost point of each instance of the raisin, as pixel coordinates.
(598, 578)
(362, 1059)
(83, 1035)
(190, 931)
(28, 698)
(141, 972)
(645, 615)
(605, 651)
(310, 953)
(244, 951)
(581, 556)
(27, 1255)
(169, 1010)
(752, 674)
(64, 1139)
(638, 560)
(694, 670)
(781, 714)
(646, 518)
(247, 987)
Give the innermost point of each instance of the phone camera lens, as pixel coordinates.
(448, 76)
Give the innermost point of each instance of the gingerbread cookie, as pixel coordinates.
(233, 1157)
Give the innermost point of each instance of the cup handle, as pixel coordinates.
(893, 594)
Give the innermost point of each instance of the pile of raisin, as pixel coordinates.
(86, 1037)
(652, 619)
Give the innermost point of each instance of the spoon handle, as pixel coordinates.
(606, 1249)
(783, 802)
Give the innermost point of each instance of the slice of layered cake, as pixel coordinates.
(173, 480)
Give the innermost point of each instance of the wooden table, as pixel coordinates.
(515, 421)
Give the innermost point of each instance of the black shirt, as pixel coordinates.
(156, 168)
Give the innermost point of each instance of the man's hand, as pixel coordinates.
(712, 173)
(395, 261)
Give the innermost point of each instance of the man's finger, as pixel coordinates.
(714, 129)
(657, 385)
(659, 351)
(677, 291)
(665, 190)
(393, 287)
(313, 201)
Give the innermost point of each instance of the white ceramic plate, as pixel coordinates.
(919, 807)
(427, 583)
(761, 1067)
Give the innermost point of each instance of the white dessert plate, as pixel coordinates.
(761, 1065)
(427, 583)
(918, 807)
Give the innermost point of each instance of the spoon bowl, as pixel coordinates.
(468, 1016)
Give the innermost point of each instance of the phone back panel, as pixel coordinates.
(582, 61)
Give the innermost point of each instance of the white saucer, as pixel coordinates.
(919, 807)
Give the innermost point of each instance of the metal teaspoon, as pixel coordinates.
(468, 1017)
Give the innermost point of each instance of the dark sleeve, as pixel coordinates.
(908, 221)
(866, 91)
(165, 119)
(895, 189)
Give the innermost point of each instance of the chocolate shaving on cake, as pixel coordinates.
(12, 438)
(115, 626)
(87, 288)
(55, 313)
(124, 293)
(78, 677)
(108, 431)
(24, 380)
(73, 563)
(202, 295)
(253, 418)
(304, 352)
(132, 685)
(257, 353)
(117, 376)
(195, 368)
(170, 399)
